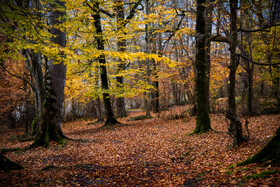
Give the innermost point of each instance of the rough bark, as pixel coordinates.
(203, 120)
(270, 153)
(52, 108)
(110, 118)
(7, 165)
(121, 47)
(235, 126)
(39, 90)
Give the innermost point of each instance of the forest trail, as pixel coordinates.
(153, 152)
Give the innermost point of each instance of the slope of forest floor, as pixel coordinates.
(153, 152)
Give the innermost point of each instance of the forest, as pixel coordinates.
(139, 93)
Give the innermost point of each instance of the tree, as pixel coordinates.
(53, 96)
(110, 118)
(235, 126)
(201, 81)
(121, 47)
(271, 152)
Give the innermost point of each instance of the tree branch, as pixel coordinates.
(132, 12)
(257, 63)
(219, 38)
(17, 76)
(259, 29)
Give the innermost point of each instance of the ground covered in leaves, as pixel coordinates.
(152, 152)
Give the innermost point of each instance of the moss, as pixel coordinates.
(271, 152)
(261, 175)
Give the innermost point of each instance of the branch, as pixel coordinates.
(111, 15)
(132, 12)
(175, 30)
(17, 76)
(257, 63)
(260, 29)
(219, 38)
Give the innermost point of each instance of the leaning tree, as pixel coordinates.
(270, 153)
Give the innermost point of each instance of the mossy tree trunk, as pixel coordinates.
(52, 107)
(271, 152)
(235, 126)
(110, 118)
(7, 165)
(201, 82)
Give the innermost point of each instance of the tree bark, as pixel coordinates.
(235, 126)
(271, 152)
(110, 118)
(52, 108)
(203, 120)
(147, 102)
(121, 47)
(39, 90)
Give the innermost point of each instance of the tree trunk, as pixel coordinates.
(110, 118)
(39, 90)
(156, 96)
(99, 110)
(250, 96)
(235, 126)
(147, 102)
(121, 47)
(208, 32)
(203, 120)
(52, 108)
(271, 152)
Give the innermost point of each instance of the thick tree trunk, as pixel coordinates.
(271, 152)
(235, 126)
(7, 165)
(39, 91)
(110, 118)
(99, 110)
(155, 101)
(121, 47)
(201, 82)
(52, 108)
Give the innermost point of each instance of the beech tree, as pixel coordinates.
(201, 81)
(53, 96)
(235, 126)
(110, 118)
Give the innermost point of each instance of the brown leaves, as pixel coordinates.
(148, 152)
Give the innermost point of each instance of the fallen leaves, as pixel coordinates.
(148, 152)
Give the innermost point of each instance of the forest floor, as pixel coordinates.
(151, 152)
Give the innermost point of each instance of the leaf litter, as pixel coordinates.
(152, 152)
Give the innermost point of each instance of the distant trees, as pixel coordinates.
(123, 52)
